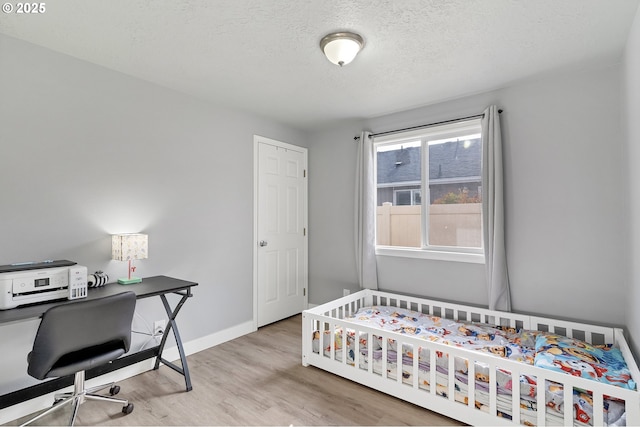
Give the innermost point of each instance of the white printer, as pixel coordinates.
(28, 283)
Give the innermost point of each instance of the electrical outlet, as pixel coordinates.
(345, 292)
(159, 326)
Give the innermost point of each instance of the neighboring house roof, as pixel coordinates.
(447, 162)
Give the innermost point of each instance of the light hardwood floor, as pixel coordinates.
(257, 379)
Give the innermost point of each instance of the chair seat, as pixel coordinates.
(86, 364)
(75, 337)
(79, 360)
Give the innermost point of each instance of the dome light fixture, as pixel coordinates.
(341, 48)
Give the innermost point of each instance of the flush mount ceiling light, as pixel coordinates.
(341, 48)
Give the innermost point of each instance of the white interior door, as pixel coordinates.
(280, 257)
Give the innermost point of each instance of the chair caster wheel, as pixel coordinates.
(114, 390)
(127, 409)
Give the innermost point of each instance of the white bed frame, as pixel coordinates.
(330, 316)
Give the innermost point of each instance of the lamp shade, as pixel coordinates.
(341, 48)
(127, 247)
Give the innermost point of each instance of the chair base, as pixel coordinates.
(79, 395)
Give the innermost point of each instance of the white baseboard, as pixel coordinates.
(37, 404)
(203, 343)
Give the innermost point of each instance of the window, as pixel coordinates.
(407, 197)
(444, 164)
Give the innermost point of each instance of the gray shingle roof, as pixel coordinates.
(448, 160)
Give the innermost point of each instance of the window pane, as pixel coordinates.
(455, 207)
(403, 197)
(399, 169)
(417, 197)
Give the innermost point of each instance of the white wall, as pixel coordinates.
(565, 195)
(632, 106)
(564, 200)
(87, 152)
(332, 156)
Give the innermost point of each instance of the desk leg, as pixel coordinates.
(172, 325)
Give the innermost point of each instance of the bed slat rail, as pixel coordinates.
(590, 333)
(541, 414)
(450, 310)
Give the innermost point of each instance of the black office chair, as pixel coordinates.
(78, 336)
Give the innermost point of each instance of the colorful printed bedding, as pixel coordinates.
(531, 347)
(599, 363)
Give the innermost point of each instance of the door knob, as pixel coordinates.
(263, 243)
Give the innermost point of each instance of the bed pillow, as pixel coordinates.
(599, 363)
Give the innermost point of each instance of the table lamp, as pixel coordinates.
(127, 247)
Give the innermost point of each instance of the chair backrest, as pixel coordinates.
(80, 335)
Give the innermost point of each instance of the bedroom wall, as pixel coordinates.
(632, 127)
(331, 211)
(563, 173)
(87, 152)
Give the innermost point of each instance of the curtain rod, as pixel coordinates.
(461, 119)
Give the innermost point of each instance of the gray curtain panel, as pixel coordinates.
(493, 212)
(365, 214)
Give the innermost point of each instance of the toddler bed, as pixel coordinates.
(490, 367)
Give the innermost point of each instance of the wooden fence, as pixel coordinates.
(449, 225)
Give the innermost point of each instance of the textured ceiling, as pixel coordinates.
(263, 56)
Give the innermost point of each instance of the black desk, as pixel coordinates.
(149, 287)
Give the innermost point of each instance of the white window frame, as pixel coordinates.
(441, 253)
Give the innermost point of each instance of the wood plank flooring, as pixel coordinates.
(255, 380)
